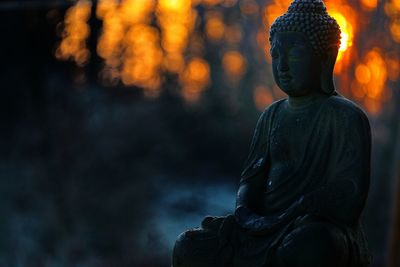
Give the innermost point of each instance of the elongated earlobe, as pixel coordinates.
(327, 84)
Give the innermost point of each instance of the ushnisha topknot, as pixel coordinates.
(311, 18)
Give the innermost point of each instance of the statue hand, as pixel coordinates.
(223, 225)
(296, 209)
(261, 225)
(212, 222)
(254, 223)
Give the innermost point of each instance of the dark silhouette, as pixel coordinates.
(306, 179)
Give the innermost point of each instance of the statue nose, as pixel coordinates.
(283, 65)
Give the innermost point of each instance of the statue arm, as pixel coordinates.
(254, 172)
(343, 198)
(249, 202)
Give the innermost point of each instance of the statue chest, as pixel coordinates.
(289, 136)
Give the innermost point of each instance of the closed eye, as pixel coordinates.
(274, 53)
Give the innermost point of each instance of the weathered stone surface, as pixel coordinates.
(306, 179)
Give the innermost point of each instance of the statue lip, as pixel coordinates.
(285, 78)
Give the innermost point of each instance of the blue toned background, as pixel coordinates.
(125, 123)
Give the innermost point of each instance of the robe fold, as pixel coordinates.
(332, 176)
(329, 181)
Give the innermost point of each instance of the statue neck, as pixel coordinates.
(299, 102)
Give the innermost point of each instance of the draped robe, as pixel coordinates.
(329, 180)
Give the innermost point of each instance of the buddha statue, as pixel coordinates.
(306, 179)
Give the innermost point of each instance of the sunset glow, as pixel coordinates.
(142, 41)
(338, 9)
(234, 64)
(346, 36)
(75, 34)
(371, 76)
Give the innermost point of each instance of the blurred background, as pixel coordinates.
(124, 123)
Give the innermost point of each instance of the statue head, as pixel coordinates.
(304, 46)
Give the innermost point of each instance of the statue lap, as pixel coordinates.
(203, 246)
(309, 242)
(304, 160)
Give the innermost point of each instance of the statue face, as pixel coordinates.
(296, 68)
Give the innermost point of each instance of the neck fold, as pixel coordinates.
(300, 102)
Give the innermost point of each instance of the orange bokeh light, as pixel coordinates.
(393, 67)
(215, 27)
(363, 74)
(195, 78)
(233, 34)
(197, 71)
(210, 3)
(396, 4)
(75, 34)
(395, 30)
(348, 21)
(371, 75)
(176, 19)
(344, 15)
(142, 40)
(346, 36)
(262, 97)
(369, 4)
(249, 7)
(142, 58)
(234, 64)
(129, 45)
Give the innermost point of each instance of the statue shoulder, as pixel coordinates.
(272, 108)
(345, 109)
(266, 118)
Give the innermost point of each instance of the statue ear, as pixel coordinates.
(328, 64)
